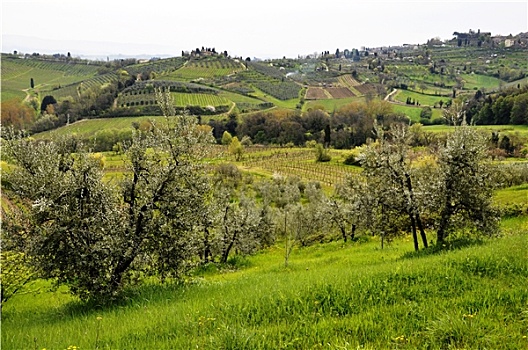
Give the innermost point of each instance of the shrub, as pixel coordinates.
(321, 154)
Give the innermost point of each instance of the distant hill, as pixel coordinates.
(210, 82)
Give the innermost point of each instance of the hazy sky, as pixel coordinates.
(262, 28)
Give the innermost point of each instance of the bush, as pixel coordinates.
(321, 154)
(351, 159)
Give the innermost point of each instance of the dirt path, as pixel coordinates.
(387, 98)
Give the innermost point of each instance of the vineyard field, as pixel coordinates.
(205, 69)
(299, 162)
(180, 100)
(95, 82)
(202, 100)
(87, 127)
(47, 75)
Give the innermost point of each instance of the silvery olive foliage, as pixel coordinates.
(93, 234)
(387, 168)
(451, 187)
(465, 184)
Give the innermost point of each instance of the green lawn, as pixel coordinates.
(332, 296)
(512, 195)
(480, 81)
(424, 100)
(331, 104)
(413, 112)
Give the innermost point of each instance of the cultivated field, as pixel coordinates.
(316, 93)
(47, 76)
(205, 69)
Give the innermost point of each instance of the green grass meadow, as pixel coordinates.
(414, 112)
(480, 81)
(332, 296)
(424, 100)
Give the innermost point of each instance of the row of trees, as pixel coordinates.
(171, 212)
(346, 127)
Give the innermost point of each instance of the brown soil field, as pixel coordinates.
(314, 93)
(340, 92)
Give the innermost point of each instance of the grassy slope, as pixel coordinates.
(332, 296)
(424, 100)
(413, 112)
(16, 75)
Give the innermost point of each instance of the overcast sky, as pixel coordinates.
(265, 29)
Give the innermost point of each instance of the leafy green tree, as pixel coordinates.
(322, 154)
(519, 111)
(226, 138)
(283, 192)
(46, 101)
(242, 225)
(236, 148)
(465, 188)
(350, 208)
(426, 113)
(309, 220)
(388, 168)
(90, 234)
(72, 209)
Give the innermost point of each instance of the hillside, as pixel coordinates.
(337, 296)
(407, 76)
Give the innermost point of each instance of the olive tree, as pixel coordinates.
(465, 184)
(387, 167)
(91, 234)
(351, 206)
(283, 193)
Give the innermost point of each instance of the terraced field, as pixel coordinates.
(348, 81)
(47, 75)
(479, 81)
(75, 88)
(180, 100)
(161, 67)
(365, 89)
